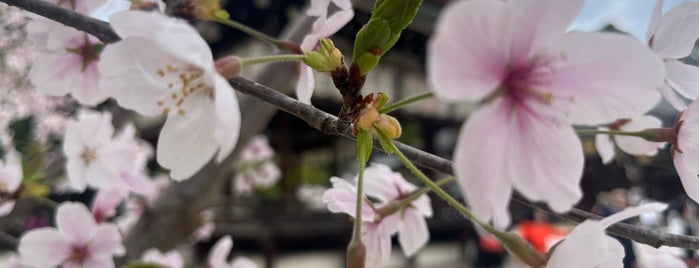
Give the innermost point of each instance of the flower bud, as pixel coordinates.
(201, 9)
(389, 125)
(228, 66)
(368, 118)
(326, 59)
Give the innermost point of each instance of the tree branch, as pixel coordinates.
(327, 123)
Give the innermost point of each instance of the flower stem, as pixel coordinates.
(283, 45)
(416, 194)
(405, 102)
(271, 58)
(639, 134)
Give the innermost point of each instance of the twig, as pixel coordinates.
(328, 124)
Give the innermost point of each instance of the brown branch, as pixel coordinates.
(328, 124)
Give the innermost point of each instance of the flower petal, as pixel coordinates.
(587, 246)
(227, 127)
(378, 244)
(305, 84)
(76, 221)
(635, 145)
(672, 97)
(342, 198)
(379, 182)
(677, 32)
(605, 76)
(684, 78)
(219, 252)
(545, 159)
(479, 161)
(412, 232)
(632, 212)
(605, 147)
(688, 177)
(44, 247)
(107, 241)
(467, 56)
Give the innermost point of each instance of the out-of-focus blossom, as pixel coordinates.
(588, 245)
(97, 158)
(311, 196)
(78, 241)
(256, 167)
(628, 144)
(171, 259)
(10, 260)
(672, 36)
(10, 179)
(207, 228)
(388, 188)
(105, 203)
(172, 73)
(136, 204)
(323, 26)
(219, 255)
(535, 81)
(685, 149)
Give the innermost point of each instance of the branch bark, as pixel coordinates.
(320, 120)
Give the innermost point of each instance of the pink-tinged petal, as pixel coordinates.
(186, 141)
(342, 198)
(219, 252)
(137, 182)
(334, 23)
(656, 18)
(537, 23)
(684, 78)
(96, 262)
(107, 240)
(545, 159)
(227, 116)
(604, 76)
(688, 177)
(379, 183)
(677, 32)
(54, 73)
(343, 4)
(6, 207)
(44, 247)
(319, 8)
(467, 56)
(635, 145)
(171, 259)
(672, 97)
(587, 246)
(378, 244)
(305, 84)
(605, 147)
(76, 221)
(11, 171)
(76, 175)
(412, 232)
(86, 90)
(242, 262)
(105, 203)
(632, 212)
(479, 161)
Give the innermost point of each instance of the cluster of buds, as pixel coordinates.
(327, 58)
(370, 118)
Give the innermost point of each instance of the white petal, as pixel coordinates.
(219, 252)
(379, 182)
(227, 127)
(412, 232)
(688, 177)
(684, 78)
(672, 97)
(107, 241)
(677, 32)
(635, 145)
(44, 247)
(631, 212)
(604, 76)
(6, 207)
(305, 84)
(467, 56)
(76, 221)
(605, 147)
(479, 161)
(587, 246)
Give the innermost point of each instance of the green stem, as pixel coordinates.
(271, 58)
(405, 102)
(357, 235)
(416, 194)
(257, 34)
(639, 134)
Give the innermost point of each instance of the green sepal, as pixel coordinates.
(383, 99)
(385, 141)
(365, 144)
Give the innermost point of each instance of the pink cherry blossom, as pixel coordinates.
(163, 66)
(10, 179)
(67, 63)
(171, 259)
(685, 151)
(219, 255)
(588, 245)
(105, 203)
(97, 158)
(672, 36)
(78, 241)
(323, 27)
(628, 144)
(535, 80)
(387, 187)
(256, 167)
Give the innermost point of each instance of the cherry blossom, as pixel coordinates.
(105, 203)
(323, 27)
(256, 167)
(535, 81)
(78, 241)
(171, 259)
(685, 150)
(97, 158)
(10, 179)
(631, 145)
(163, 66)
(588, 245)
(219, 255)
(388, 188)
(672, 36)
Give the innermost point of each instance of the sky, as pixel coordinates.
(631, 16)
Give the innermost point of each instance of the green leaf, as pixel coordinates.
(364, 145)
